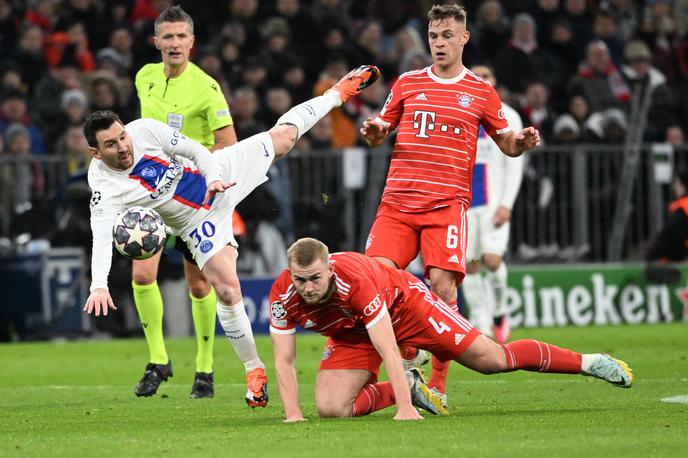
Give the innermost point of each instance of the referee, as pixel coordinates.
(182, 95)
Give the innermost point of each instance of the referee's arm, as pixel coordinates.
(224, 136)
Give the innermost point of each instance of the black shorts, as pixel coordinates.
(181, 246)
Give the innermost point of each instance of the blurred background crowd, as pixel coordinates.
(569, 67)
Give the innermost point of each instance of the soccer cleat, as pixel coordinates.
(421, 396)
(422, 357)
(501, 330)
(154, 375)
(203, 386)
(257, 388)
(355, 81)
(442, 396)
(611, 370)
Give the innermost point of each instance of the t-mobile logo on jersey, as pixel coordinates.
(424, 121)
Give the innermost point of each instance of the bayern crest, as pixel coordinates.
(464, 100)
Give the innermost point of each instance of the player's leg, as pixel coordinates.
(148, 302)
(347, 393)
(496, 280)
(203, 310)
(472, 287)
(220, 270)
(301, 118)
(443, 246)
(488, 357)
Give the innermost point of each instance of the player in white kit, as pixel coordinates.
(148, 163)
(496, 182)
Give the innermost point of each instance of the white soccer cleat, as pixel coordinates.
(421, 396)
(422, 357)
(611, 370)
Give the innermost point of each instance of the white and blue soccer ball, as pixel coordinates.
(139, 233)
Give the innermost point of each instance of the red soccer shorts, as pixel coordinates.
(440, 236)
(439, 329)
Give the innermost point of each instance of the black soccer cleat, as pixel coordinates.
(154, 375)
(203, 386)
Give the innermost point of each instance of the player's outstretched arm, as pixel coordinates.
(374, 133)
(99, 301)
(514, 144)
(382, 336)
(284, 348)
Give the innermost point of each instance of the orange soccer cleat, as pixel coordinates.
(355, 81)
(256, 388)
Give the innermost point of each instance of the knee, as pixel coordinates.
(228, 291)
(493, 362)
(198, 287)
(142, 274)
(333, 410)
(283, 139)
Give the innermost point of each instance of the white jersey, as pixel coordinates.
(169, 175)
(496, 176)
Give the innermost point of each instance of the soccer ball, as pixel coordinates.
(139, 233)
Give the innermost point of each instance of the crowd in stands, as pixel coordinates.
(570, 67)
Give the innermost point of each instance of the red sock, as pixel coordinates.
(532, 355)
(373, 397)
(408, 352)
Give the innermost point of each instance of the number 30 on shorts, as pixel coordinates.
(207, 230)
(452, 237)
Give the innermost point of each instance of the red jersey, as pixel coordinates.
(364, 291)
(438, 121)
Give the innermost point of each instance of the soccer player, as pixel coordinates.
(438, 111)
(150, 164)
(178, 93)
(366, 309)
(496, 182)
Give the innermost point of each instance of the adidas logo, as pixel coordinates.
(454, 259)
(421, 96)
(308, 324)
(458, 338)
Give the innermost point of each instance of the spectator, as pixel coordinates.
(604, 29)
(675, 136)
(625, 14)
(70, 44)
(254, 75)
(25, 180)
(565, 130)
(535, 110)
(277, 102)
(230, 63)
(74, 109)
(29, 54)
(14, 112)
(87, 13)
(368, 46)
(42, 13)
(658, 30)
(406, 45)
(74, 147)
(276, 51)
(490, 33)
(641, 76)
(671, 244)
(345, 130)
(577, 14)
(599, 80)
(546, 14)
(9, 28)
(294, 78)
(245, 108)
(245, 12)
(302, 26)
(413, 60)
(118, 53)
(564, 55)
(521, 61)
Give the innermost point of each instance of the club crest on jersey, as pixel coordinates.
(277, 310)
(148, 172)
(464, 100)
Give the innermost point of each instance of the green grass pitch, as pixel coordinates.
(76, 400)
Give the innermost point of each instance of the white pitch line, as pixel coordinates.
(682, 399)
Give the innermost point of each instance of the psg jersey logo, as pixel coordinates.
(464, 100)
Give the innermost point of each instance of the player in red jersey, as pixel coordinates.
(366, 309)
(437, 112)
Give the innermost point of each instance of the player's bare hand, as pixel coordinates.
(214, 187)
(99, 301)
(294, 419)
(501, 216)
(527, 139)
(373, 132)
(407, 413)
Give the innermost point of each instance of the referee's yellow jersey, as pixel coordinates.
(191, 103)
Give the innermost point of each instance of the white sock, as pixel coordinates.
(497, 280)
(237, 328)
(587, 360)
(305, 115)
(474, 295)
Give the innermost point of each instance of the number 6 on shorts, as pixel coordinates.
(452, 237)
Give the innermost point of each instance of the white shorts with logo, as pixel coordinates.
(483, 236)
(245, 163)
